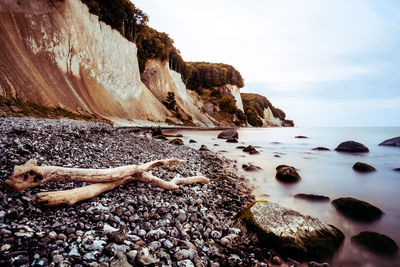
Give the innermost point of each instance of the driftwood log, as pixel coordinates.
(30, 175)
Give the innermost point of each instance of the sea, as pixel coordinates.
(327, 173)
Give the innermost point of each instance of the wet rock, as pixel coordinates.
(290, 233)
(145, 257)
(176, 141)
(376, 242)
(312, 197)
(228, 134)
(351, 146)
(251, 150)
(156, 234)
(204, 148)
(120, 235)
(187, 263)
(321, 148)
(391, 142)
(120, 261)
(301, 137)
(363, 167)
(160, 137)
(232, 140)
(397, 169)
(276, 260)
(357, 209)
(240, 147)
(287, 174)
(251, 168)
(192, 141)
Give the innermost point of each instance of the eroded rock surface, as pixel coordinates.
(289, 232)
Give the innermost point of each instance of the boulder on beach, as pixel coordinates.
(301, 137)
(351, 146)
(376, 242)
(312, 197)
(363, 167)
(288, 232)
(287, 174)
(391, 142)
(176, 141)
(156, 131)
(204, 148)
(357, 209)
(250, 168)
(228, 134)
(321, 148)
(250, 149)
(192, 141)
(232, 140)
(161, 137)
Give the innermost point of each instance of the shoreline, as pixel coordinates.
(191, 221)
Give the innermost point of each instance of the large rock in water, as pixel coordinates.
(351, 146)
(376, 242)
(363, 167)
(288, 232)
(357, 209)
(287, 174)
(228, 134)
(391, 142)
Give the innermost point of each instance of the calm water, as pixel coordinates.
(326, 173)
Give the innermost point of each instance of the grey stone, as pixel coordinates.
(145, 257)
(120, 261)
(289, 232)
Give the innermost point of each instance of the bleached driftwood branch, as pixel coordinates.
(30, 175)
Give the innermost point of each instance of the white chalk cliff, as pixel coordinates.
(63, 56)
(57, 54)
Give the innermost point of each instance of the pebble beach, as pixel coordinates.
(134, 224)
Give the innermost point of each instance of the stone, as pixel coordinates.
(187, 263)
(250, 168)
(232, 140)
(5, 247)
(228, 134)
(321, 148)
(185, 254)
(113, 249)
(287, 174)
(276, 260)
(109, 229)
(312, 197)
(301, 137)
(120, 261)
(74, 253)
(96, 245)
(145, 257)
(176, 141)
(234, 260)
(288, 232)
(204, 148)
(57, 259)
(396, 169)
(131, 255)
(316, 264)
(156, 234)
(160, 137)
(376, 242)
(363, 167)
(120, 235)
(352, 146)
(391, 142)
(250, 149)
(357, 209)
(230, 240)
(192, 141)
(91, 256)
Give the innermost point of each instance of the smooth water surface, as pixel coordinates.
(326, 173)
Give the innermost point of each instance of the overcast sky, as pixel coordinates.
(325, 63)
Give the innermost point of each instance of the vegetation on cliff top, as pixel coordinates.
(131, 22)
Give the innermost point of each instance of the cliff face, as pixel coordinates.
(63, 56)
(261, 113)
(57, 54)
(160, 79)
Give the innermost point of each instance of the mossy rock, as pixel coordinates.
(376, 242)
(357, 209)
(176, 141)
(289, 233)
(287, 174)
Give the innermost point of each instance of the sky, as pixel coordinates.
(325, 63)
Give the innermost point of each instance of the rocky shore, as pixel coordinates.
(134, 224)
